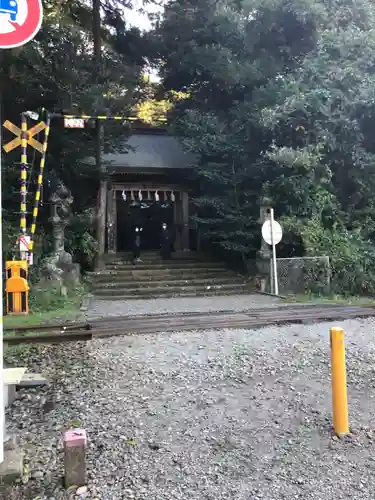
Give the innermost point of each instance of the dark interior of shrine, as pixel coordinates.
(148, 215)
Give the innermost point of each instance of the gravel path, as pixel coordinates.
(100, 308)
(231, 415)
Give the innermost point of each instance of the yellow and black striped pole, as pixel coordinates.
(100, 117)
(39, 182)
(23, 172)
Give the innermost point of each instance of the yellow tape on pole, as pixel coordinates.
(100, 117)
(23, 167)
(40, 181)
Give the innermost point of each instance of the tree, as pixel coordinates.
(56, 71)
(280, 104)
(220, 56)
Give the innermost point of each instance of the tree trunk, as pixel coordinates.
(102, 194)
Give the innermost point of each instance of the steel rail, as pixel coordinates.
(90, 324)
(48, 338)
(141, 325)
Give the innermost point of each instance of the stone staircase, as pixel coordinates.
(187, 274)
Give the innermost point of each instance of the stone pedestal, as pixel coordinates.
(11, 469)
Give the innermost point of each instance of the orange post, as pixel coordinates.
(17, 287)
(15, 268)
(339, 388)
(17, 296)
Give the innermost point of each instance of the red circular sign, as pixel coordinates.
(26, 31)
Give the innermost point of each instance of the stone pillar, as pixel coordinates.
(75, 443)
(263, 259)
(111, 222)
(185, 220)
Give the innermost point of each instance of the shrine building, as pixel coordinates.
(149, 185)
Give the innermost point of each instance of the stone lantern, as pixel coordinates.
(59, 266)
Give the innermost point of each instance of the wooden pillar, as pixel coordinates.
(111, 222)
(177, 221)
(114, 218)
(185, 220)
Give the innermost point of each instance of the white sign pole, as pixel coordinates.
(274, 266)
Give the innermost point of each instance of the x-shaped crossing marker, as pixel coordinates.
(30, 134)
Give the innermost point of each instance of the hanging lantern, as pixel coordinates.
(173, 198)
(156, 196)
(140, 197)
(123, 195)
(132, 195)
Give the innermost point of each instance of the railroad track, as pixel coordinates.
(219, 320)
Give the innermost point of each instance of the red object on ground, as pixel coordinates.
(75, 437)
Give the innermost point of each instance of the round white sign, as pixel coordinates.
(276, 230)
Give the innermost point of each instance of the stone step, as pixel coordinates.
(169, 294)
(150, 258)
(154, 255)
(165, 265)
(146, 260)
(187, 274)
(161, 274)
(124, 284)
(158, 291)
(159, 262)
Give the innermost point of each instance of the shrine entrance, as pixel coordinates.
(130, 205)
(147, 215)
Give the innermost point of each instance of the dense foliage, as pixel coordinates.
(276, 97)
(280, 104)
(57, 71)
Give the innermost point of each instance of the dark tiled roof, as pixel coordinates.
(149, 151)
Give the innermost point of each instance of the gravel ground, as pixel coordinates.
(234, 415)
(100, 308)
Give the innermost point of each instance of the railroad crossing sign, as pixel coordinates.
(20, 21)
(30, 134)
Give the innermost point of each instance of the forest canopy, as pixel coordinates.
(276, 97)
(280, 107)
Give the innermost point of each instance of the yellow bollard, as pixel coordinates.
(339, 390)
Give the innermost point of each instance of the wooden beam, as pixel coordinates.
(147, 187)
